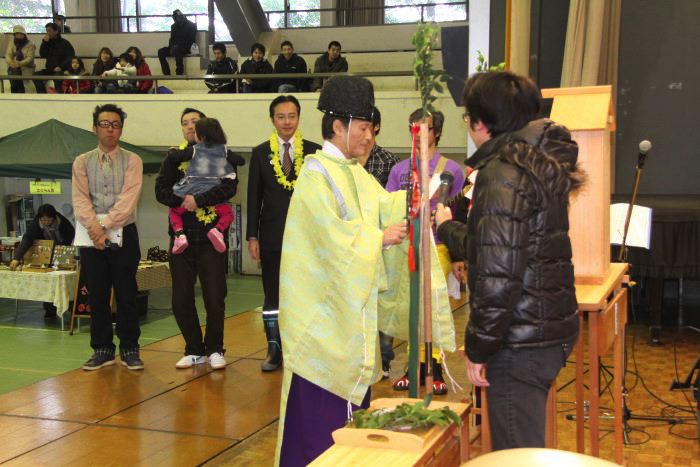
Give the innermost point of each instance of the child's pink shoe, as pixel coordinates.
(180, 244)
(217, 239)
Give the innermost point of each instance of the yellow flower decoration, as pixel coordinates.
(275, 159)
(205, 215)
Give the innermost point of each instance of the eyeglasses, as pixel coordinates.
(107, 124)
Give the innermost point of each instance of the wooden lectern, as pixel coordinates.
(587, 112)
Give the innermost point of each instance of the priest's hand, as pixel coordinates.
(476, 372)
(254, 249)
(393, 235)
(442, 214)
(100, 242)
(458, 271)
(189, 203)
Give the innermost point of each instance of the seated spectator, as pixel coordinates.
(58, 53)
(183, 33)
(329, 62)
(105, 62)
(256, 65)
(221, 65)
(125, 67)
(19, 57)
(142, 69)
(48, 225)
(71, 86)
(289, 62)
(60, 21)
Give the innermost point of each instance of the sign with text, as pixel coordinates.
(45, 188)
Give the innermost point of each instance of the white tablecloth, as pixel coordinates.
(56, 287)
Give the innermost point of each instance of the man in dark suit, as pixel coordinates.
(274, 167)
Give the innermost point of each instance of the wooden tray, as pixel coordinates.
(415, 440)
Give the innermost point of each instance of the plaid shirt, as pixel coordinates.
(379, 163)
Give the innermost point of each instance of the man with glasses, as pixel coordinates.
(106, 189)
(399, 179)
(274, 167)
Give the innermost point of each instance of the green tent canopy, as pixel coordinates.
(48, 150)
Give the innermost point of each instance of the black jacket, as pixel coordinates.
(324, 65)
(35, 232)
(183, 34)
(58, 52)
(227, 66)
(251, 67)
(268, 201)
(170, 173)
(516, 242)
(296, 64)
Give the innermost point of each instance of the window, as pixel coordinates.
(413, 11)
(41, 8)
(299, 16)
(165, 9)
(220, 28)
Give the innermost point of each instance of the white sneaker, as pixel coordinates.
(217, 361)
(189, 360)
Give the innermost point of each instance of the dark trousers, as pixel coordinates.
(270, 263)
(177, 51)
(105, 269)
(517, 396)
(386, 347)
(203, 261)
(16, 85)
(41, 84)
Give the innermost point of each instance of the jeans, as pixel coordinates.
(41, 84)
(270, 262)
(105, 269)
(519, 383)
(178, 51)
(16, 85)
(199, 259)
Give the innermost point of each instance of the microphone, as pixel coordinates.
(644, 148)
(446, 180)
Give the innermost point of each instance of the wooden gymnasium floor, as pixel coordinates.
(164, 416)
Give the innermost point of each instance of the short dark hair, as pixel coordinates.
(189, 110)
(209, 131)
(327, 124)
(281, 100)
(125, 56)
(501, 100)
(52, 25)
(108, 108)
(438, 121)
(257, 46)
(286, 43)
(46, 210)
(220, 47)
(376, 120)
(334, 44)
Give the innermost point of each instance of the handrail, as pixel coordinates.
(236, 77)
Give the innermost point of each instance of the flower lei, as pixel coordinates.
(275, 159)
(207, 214)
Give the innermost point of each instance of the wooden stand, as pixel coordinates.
(606, 307)
(444, 446)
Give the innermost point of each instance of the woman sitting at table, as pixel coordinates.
(48, 225)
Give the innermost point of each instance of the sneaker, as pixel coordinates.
(386, 367)
(188, 361)
(217, 239)
(401, 384)
(98, 360)
(131, 360)
(217, 361)
(179, 244)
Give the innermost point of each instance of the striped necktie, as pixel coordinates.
(286, 160)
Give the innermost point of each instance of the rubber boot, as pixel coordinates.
(274, 344)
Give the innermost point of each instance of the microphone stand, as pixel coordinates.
(622, 256)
